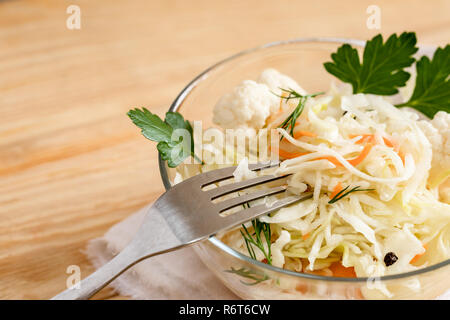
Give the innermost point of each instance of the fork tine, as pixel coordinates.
(263, 165)
(230, 203)
(262, 209)
(218, 175)
(237, 186)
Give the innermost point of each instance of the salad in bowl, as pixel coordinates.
(373, 148)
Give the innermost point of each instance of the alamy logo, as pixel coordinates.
(73, 22)
(214, 146)
(374, 19)
(74, 278)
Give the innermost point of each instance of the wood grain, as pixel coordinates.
(71, 163)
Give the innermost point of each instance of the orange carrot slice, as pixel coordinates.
(354, 161)
(300, 133)
(342, 272)
(417, 256)
(388, 142)
(364, 138)
(351, 136)
(290, 155)
(371, 138)
(305, 236)
(332, 159)
(362, 155)
(337, 188)
(302, 288)
(286, 154)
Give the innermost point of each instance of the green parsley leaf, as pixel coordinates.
(155, 129)
(152, 127)
(172, 153)
(381, 71)
(175, 120)
(432, 91)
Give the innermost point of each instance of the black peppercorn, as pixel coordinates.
(345, 112)
(390, 258)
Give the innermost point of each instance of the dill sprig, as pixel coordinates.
(256, 276)
(255, 239)
(289, 123)
(341, 194)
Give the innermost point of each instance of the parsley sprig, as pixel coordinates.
(432, 90)
(341, 194)
(381, 71)
(155, 129)
(289, 123)
(255, 239)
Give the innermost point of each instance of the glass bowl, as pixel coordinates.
(301, 59)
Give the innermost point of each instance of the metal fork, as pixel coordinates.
(184, 215)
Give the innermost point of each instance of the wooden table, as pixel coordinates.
(71, 163)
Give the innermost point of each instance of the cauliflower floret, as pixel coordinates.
(438, 133)
(442, 122)
(276, 80)
(434, 136)
(250, 103)
(247, 106)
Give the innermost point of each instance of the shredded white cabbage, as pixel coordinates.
(277, 247)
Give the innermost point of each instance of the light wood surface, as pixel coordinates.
(71, 163)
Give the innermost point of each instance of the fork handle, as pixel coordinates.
(153, 238)
(101, 277)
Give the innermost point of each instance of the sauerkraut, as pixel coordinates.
(344, 141)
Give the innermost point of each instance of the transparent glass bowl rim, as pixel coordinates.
(219, 244)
